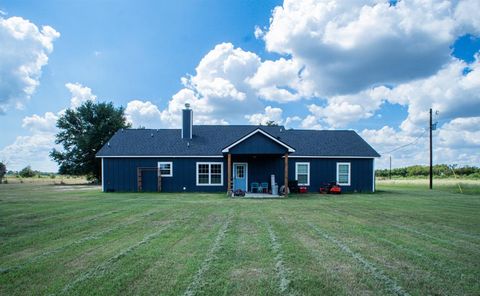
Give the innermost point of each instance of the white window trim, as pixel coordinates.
(171, 168)
(308, 173)
(349, 173)
(209, 173)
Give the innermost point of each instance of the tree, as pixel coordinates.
(271, 123)
(83, 131)
(27, 172)
(3, 171)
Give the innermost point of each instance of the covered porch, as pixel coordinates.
(257, 165)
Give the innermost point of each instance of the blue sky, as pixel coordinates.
(243, 62)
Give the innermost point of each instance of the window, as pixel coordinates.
(209, 173)
(302, 173)
(240, 171)
(165, 168)
(343, 173)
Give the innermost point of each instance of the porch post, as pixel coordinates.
(286, 175)
(229, 172)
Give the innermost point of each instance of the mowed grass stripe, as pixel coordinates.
(390, 284)
(56, 233)
(78, 259)
(101, 268)
(283, 273)
(245, 264)
(409, 223)
(198, 279)
(406, 257)
(91, 236)
(374, 238)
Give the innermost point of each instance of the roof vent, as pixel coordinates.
(151, 135)
(188, 144)
(108, 144)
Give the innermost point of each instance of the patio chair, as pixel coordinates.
(254, 187)
(264, 187)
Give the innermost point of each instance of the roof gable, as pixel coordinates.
(258, 142)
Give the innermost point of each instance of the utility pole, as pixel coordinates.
(390, 173)
(431, 153)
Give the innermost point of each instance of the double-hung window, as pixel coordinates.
(209, 173)
(343, 173)
(165, 168)
(302, 173)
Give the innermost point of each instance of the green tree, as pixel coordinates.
(271, 123)
(3, 171)
(83, 131)
(27, 172)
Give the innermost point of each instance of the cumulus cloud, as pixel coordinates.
(34, 148)
(281, 81)
(80, 94)
(23, 54)
(348, 46)
(218, 92)
(451, 91)
(270, 114)
(143, 114)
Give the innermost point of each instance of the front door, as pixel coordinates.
(240, 172)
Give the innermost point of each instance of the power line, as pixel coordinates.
(406, 145)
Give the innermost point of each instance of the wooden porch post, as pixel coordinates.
(229, 173)
(286, 174)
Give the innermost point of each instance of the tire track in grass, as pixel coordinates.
(91, 237)
(281, 269)
(103, 267)
(380, 275)
(197, 281)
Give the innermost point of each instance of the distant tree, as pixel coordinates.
(83, 131)
(3, 171)
(271, 123)
(27, 172)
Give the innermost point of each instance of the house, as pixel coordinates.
(216, 158)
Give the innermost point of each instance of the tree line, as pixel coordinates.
(439, 170)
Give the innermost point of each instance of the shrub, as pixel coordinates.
(27, 172)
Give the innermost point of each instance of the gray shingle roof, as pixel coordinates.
(211, 139)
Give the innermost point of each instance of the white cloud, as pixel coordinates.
(461, 133)
(348, 46)
(281, 81)
(466, 15)
(449, 91)
(143, 113)
(34, 149)
(219, 92)
(270, 114)
(37, 123)
(23, 54)
(258, 32)
(80, 94)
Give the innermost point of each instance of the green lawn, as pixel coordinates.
(401, 240)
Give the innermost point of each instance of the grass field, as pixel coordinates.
(402, 240)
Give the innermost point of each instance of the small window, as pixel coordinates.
(240, 171)
(209, 173)
(165, 169)
(343, 173)
(302, 173)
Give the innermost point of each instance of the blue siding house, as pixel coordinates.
(216, 158)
